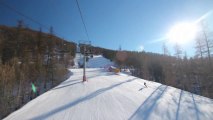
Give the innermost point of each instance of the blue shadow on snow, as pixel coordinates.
(78, 101)
(144, 111)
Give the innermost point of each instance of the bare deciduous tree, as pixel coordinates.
(178, 51)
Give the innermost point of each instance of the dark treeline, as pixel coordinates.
(107, 53)
(30, 57)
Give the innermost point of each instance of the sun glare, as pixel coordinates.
(182, 33)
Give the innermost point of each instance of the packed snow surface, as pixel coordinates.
(78, 59)
(109, 96)
(99, 61)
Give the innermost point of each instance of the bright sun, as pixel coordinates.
(182, 33)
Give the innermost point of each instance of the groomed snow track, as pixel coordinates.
(109, 96)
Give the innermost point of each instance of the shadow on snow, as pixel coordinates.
(144, 111)
(80, 100)
(178, 107)
(67, 85)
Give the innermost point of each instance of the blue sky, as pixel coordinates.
(110, 23)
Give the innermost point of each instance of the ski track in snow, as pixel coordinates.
(107, 96)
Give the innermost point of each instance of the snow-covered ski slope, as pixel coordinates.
(107, 96)
(99, 61)
(77, 59)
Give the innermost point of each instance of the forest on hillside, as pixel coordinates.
(193, 74)
(30, 60)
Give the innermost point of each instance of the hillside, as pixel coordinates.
(33, 57)
(99, 61)
(114, 97)
(30, 58)
(30, 45)
(19, 41)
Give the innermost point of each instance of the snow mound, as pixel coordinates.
(107, 96)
